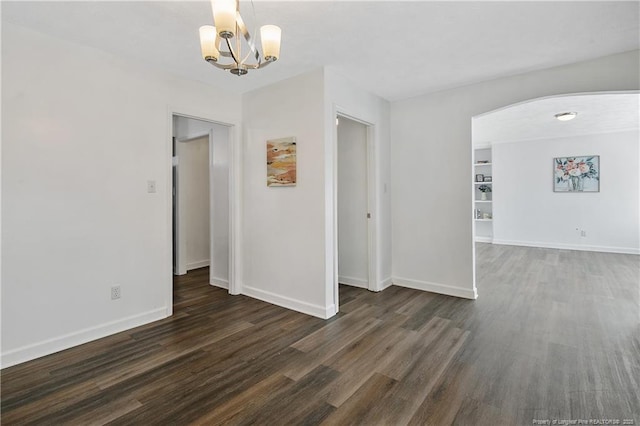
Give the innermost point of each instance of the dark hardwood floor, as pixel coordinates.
(554, 335)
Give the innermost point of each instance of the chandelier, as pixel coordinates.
(230, 35)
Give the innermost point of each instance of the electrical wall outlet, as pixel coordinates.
(115, 292)
(583, 233)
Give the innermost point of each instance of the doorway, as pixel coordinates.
(532, 157)
(201, 198)
(354, 204)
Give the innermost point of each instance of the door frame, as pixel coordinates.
(234, 150)
(372, 206)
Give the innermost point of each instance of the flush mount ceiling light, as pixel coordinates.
(230, 36)
(566, 116)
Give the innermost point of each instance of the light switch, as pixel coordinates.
(151, 186)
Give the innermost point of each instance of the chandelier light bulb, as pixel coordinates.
(224, 16)
(270, 35)
(208, 36)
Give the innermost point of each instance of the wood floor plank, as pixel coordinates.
(413, 388)
(246, 403)
(281, 407)
(355, 371)
(476, 412)
(43, 406)
(431, 332)
(553, 335)
(362, 348)
(169, 352)
(325, 345)
(442, 404)
(320, 337)
(356, 410)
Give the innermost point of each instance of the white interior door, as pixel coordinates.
(353, 239)
(219, 174)
(193, 204)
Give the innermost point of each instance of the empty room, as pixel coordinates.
(320, 212)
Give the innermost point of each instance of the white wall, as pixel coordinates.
(82, 133)
(290, 233)
(74, 188)
(193, 202)
(353, 258)
(185, 128)
(528, 212)
(283, 228)
(344, 96)
(431, 153)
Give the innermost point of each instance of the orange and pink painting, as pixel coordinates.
(281, 162)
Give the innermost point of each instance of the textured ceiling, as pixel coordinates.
(394, 49)
(597, 113)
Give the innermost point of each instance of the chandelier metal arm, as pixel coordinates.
(233, 65)
(231, 52)
(247, 36)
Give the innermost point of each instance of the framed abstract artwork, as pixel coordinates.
(281, 162)
(576, 174)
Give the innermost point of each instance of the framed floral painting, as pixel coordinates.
(576, 174)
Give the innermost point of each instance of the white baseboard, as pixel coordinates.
(484, 239)
(198, 264)
(561, 246)
(289, 303)
(356, 282)
(386, 283)
(50, 346)
(449, 290)
(219, 282)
